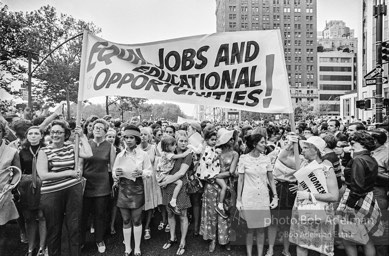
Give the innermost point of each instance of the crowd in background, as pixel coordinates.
(207, 171)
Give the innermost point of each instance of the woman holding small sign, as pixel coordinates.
(312, 227)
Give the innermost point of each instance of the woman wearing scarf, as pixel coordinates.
(29, 200)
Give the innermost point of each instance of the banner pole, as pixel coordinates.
(295, 145)
(81, 87)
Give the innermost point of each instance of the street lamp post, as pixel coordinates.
(379, 12)
(32, 72)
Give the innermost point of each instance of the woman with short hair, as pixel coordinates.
(62, 187)
(97, 188)
(130, 166)
(358, 200)
(300, 230)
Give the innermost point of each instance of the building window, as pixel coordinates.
(309, 67)
(286, 1)
(286, 9)
(336, 69)
(335, 78)
(276, 1)
(244, 25)
(297, 26)
(232, 24)
(309, 10)
(256, 18)
(286, 26)
(297, 42)
(309, 42)
(329, 96)
(276, 9)
(309, 59)
(297, 2)
(232, 16)
(335, 87)
(286, 17)
(266, 17)
(245, 9)
(232, 8)
(276, 17)
(297, 51)
(255, 9)
(297, 9)
(276, 25)
(297, 18)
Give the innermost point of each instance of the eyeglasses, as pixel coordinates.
(56, 132)
(97, 128)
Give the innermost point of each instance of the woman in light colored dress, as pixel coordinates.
(8, 180)
(255, 171)
(153, 195)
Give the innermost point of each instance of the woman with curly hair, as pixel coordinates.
(360, 175)
(62, 186)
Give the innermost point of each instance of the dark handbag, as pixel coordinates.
(194, 184)
(29, 196)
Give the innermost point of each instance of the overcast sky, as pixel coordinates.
(138, 21)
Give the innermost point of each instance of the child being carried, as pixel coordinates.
(166, 164)
(209, 167)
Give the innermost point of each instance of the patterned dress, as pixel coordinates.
(212, 224)
(314, 235)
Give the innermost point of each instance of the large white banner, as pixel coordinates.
(240, 70)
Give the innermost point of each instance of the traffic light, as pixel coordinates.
(385, 51)
(360, 104)
(367, 104)
(386, 103)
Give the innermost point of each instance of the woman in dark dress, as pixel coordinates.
(181, 166)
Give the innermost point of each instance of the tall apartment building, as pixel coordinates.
(297, 20)
(369, 57)
(337, 36)
(337, 76)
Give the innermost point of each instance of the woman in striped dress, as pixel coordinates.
(61, 187)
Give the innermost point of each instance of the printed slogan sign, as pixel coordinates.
(239, 70)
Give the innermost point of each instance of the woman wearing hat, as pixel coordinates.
(129, 167)
(303, 233)
(213, 226)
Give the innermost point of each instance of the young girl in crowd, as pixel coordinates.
(166, 164)
(210, 167)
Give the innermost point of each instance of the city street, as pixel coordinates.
(196, 245)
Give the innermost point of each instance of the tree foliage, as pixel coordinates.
(38, 33)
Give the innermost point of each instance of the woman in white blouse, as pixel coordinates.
(130, 166)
